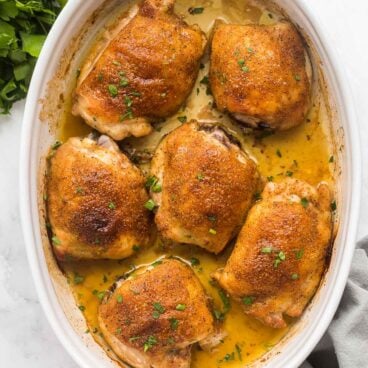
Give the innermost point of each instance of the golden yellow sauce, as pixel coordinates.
(302, 152)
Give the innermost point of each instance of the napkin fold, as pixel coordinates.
(345, 344)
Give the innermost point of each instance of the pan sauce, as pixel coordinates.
(304, 153)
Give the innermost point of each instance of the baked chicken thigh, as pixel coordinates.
(143, 70)
(96, 200)
(280, 254)
(261, 74)
(208, 184)
(153, 319)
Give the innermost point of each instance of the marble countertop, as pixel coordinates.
(26, 339)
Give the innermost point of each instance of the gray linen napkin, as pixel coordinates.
(345, 344)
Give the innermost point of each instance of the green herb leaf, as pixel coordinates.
(194, 261)
(149, 343)
(195, 10)
(55, 240)
(113, 90)
(248, 300)
(182, 119)
(181, 307)
(333, 206)
(78, 279)
(119, 298)
(174, 323)
(304, 202)
(150, 205)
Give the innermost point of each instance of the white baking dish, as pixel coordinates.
(52, 288)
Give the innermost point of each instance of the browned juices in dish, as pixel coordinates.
(303, 153)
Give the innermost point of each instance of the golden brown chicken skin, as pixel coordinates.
(145, 72)
(260, 74)
(96, 200)
(280, 254)
(152, 319)
(208, 184)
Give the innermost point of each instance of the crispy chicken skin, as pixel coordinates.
(279, 256)
(261, 74)
(152, 319)
(208, 184)
(145, 73)
(96, 200)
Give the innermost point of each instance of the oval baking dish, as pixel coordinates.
(53, 73)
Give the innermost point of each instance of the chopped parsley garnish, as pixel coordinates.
(289, 173)
(56, 145)
(127, 115)
(248, 300)
(239, 352)
(119, 298)
(241, 62)
(195, 10)
(212, 231)
(136, 248)
(113, 90)
(150, 205)
(55, 240)
(100, 77)
(112, 205)
(266, 250)
(78, 279)
(212, 218)
(152, 183)
(194, 261)
(304, 202)
(333, 206)
(299, 253)
(332, 159)
(250, 50)
(278, 153)
(204, 80)
(128, 101)
(218, 315)
(123, 82)
(134, 338)
(149, 343)
(79, 190)
(82, 308)
(297, 77)
(225, 301)
(200, 176)
(100, 294)
(156, 314)
(174, 323)
(158, 307)
(181, 307)
(281, 256)
(245, 69)
(270, 178)
(228, 357)
(118, 331)
(257, 196)
(182, 119)
(294, 276)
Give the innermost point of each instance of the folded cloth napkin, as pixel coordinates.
(345, 344)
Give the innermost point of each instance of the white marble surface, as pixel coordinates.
(26, 339)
